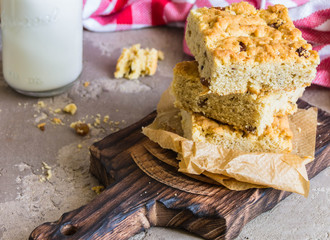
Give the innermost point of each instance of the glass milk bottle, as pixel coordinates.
(41, 45)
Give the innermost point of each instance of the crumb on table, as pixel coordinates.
(98, 189)
(57, 121)
(41, 104)
(81, 128)
(70, 108)
(41, 126)
(136, 61)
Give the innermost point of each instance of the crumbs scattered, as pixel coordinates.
(299, 129)
(97, 121)
(86, 84)
(106, 119)
(41, 126)
(41, 104)
(58, 115)
(81, 128)
(79, 146)
(98, 189)
(70, 108)
(57, 121)
(47, 172)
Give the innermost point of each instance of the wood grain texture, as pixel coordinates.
(134, 201)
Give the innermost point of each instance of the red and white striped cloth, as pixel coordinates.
(312, 17)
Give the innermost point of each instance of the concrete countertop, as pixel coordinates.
(27, 201)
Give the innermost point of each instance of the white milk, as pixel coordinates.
(42, 44)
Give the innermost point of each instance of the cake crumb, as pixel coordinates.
(41, 126)
(117, 123)
(41, 104)
(98, 189)
(73, 124)
(135, 62)
(70, 108)
(57, 110)
(57, 121)
(46, 166)
(86, 84)
(47, 172)
(79, 146)
(97, 122)
(106, 119)
(81, 129)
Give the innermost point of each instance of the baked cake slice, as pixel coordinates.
(276, 138)
(240, 49)
(248, 111)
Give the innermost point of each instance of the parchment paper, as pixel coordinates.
(234, 169)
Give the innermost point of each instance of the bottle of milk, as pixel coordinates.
(41, 45)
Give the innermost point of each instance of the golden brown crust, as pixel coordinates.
(279, 128)
(240, 33)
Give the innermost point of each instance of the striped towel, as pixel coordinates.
(312, 17)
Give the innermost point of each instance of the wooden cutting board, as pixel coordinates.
(158, 195)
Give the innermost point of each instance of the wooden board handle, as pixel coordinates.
(126, 208)
(118, 213)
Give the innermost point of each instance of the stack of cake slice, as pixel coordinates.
(252, 66)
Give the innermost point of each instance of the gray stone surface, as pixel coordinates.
(26, 202)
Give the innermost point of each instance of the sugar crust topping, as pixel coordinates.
(240, 33)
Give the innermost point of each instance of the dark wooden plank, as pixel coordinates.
(134, 201)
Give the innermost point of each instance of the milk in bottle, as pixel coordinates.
(42, 44)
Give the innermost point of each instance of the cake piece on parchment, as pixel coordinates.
(276, 138)
(247, 111)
